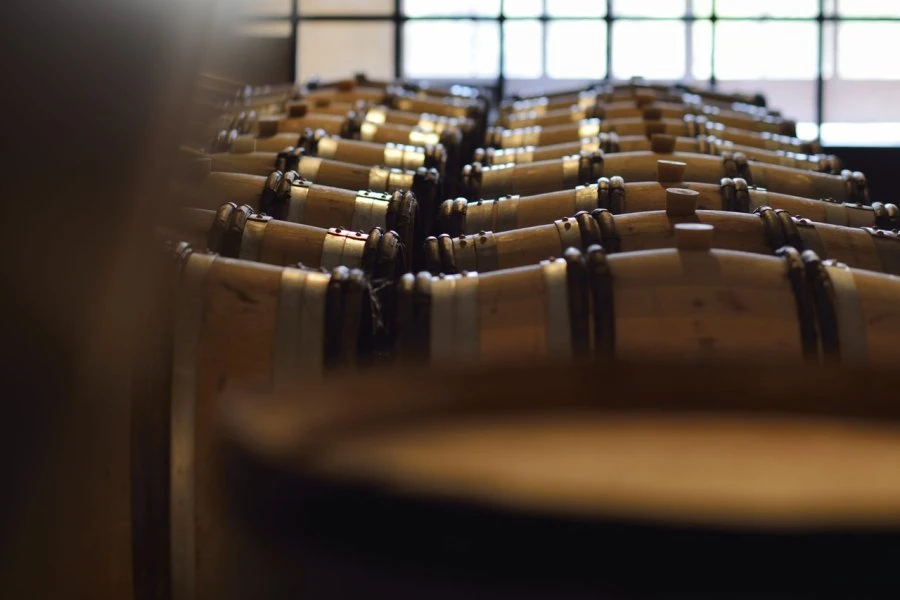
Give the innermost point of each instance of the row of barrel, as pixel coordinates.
(356, 223)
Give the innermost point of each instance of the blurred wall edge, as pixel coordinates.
(94, 97)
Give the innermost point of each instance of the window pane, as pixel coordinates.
(523, 8)
(430, 8)
(767, 8)
(701, 59)
(649, 8)
(346, 7)
(576, 8)
(630, 53)
(451, 49)
(868, 50)
(868, 8)
(522, 48)
(766, 50)
(576, 49)
(702, 8)
(330, 49)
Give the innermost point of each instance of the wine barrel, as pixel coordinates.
(398, 98)
(641, 94)
(612, 142)
(690, 126)
(239, 327)
(271, 140)
(239, 232)
(383, 114)
(651, 112)
(728, 482)
(458, 217)
(422, 88)
(692, 303)
(763, 233)
(400, 156)
(550, 175)
(289, 197)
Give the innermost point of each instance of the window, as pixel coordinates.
(829, 63)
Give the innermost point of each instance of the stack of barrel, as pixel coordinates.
(352, 224)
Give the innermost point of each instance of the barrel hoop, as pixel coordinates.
(822, 296)
(342, 247)
(219, 226)
(356, 291)
(880, 213)
(603, 196)
(298, 344)
(586, 197)
(454, 317)
(854, 345)
(370, 210)
(590, 166)
(230, 244)
(369, 257)
(579, 301)
(182, 509)
(588, 229)
(891, 219)
(485, 251)
(887, 244)
(401, 214)
(741, 195)
(446, 255)
(317, 143)
(806, 317)
(334, 318)
(609, 234)
(735, 164)
(855, 186)
(569, 233)
(616, 195)
(601, 285)
(254, 232)
(610, 142)
(557, 317)
(791, 234)
(813, 241)
(726, 189)
(774, 231)
(289, 159)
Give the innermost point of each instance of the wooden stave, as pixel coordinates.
(758, 303)
(860, 248)
(459, 216)
(544, 176)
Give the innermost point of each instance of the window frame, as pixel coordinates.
(827, 15)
